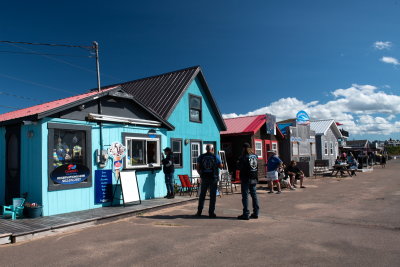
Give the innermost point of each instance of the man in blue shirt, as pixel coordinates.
(207, 166)
(274, 162)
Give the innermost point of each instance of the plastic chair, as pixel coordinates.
(189, 185)
(16, 209)
(183, 185)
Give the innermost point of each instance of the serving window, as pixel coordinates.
(69, 160)
(143, 151)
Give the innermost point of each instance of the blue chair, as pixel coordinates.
(16, 209)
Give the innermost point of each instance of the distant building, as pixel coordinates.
(299, 145)
(327, 135)
(392, 142)
(252, 130)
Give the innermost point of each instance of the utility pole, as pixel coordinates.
(96, 49)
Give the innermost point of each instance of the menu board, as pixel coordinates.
(103, 186)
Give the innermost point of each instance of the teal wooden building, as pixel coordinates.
(174, 109)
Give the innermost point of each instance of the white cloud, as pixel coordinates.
(363, 109)
(382, 45)
(390, 60)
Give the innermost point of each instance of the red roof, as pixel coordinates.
(21, 113)
(246, 125)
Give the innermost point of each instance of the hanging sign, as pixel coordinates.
(103, 186)
(270, 122)
(70, 174)
(117, 151)
(302, 118)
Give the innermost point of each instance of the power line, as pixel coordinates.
(37, 84)
(63, 61)
(48, 44)
(21, 97)
(41, 54)
(2, 106)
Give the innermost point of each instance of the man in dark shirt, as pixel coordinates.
(168, 168)
(295, 174)
(249, 177)
(207, 166)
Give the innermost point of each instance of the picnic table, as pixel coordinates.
(342, 168)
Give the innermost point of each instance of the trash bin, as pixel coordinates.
(34, 212)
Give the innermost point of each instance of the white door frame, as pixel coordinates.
(194, 154)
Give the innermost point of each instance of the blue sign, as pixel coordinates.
(103, 186)
(70, 174)
(302, 117)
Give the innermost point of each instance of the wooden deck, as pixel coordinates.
(22, 229)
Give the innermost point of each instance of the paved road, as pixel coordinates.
(333, 222)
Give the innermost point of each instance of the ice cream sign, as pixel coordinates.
(117, 151)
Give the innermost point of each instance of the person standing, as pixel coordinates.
(207, 166)
(248, 165)
(274, 162)
(168, 168)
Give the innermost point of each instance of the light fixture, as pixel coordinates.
(187, 141)
(152, 133)
(101, 117)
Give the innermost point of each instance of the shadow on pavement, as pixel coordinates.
(173, 217)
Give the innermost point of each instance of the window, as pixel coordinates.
(258, 148)
(326, 148)
(275, 148)
(142, 151)
(331, 148)
(69, 156)
(195, 108)
(176, 146)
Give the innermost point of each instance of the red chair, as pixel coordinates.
(237, 179)
(183, 185)
(189, 185)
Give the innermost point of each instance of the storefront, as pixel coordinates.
(260, 131)
(56, 154)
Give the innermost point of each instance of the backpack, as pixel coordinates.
(208, 165)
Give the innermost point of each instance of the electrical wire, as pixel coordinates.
(21, 97)
(47, 44)
(65, 62)
(37, 84)
(41, 54)
(2, 106)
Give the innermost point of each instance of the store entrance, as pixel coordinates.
(13, 163)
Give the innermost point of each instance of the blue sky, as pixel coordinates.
(335, 59)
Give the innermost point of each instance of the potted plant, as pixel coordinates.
(32, 210)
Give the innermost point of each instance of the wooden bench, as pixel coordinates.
(321, 167)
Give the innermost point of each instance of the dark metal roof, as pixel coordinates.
(47, 109)
(161, 93)
(357, 143)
